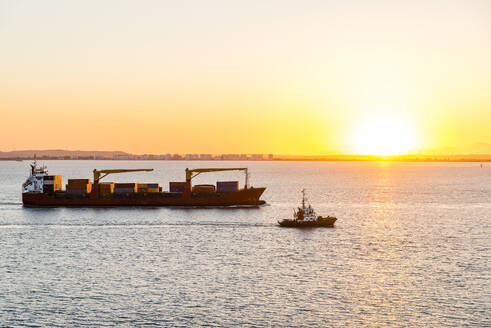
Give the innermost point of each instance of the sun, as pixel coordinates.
(384, 136)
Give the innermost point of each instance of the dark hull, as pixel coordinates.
(324, 222)
(243, 197)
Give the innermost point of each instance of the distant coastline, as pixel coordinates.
(119, 155)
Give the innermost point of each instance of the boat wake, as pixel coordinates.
(112, 225)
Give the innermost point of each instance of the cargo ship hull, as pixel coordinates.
(243, 197)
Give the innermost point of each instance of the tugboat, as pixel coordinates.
(305, 217)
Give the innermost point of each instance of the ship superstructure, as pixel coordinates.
(35, 181)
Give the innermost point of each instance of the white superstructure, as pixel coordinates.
(305, 213)
(34, 182)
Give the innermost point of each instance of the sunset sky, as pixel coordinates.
(283, 77)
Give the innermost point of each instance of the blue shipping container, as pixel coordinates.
(124, 190)
(227, 186)
(152, 185)
(176, 188)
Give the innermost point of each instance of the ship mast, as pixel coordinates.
(303, 198)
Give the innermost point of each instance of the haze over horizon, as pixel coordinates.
(283, 77)
(476, 152)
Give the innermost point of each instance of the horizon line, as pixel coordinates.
(121, 155)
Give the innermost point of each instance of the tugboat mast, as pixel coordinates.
(303, 198)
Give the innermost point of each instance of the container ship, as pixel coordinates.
(44, 190)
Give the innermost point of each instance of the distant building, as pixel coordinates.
(205, 157)
(230, 157)
(257, 157)
(191, 157)
(270, 157)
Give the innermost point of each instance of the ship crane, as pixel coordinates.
(190, 174)
(99, 174)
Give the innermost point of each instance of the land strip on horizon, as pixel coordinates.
(120, 155)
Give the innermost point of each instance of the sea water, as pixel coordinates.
(411, 247)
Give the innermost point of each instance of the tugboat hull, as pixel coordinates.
(327, 222)
(243, 197)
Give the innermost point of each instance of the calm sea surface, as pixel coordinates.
(412, 247)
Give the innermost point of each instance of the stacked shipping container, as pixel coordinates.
(148, 187)
(51, 183)
(153, 187)
(125, 187)
(79, 186)
(177, 186)
(227, 186)
(106, 187)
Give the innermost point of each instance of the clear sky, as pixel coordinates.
(285, 77)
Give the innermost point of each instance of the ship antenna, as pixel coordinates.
(303, 198)
(34, 165)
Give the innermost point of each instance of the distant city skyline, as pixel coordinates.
(124, 156)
